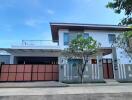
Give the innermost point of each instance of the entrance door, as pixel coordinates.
(108, 69)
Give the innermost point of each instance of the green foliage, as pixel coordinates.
(128, 34)
(81, 48)
(81, 44)
(124, 41)
(122, 6)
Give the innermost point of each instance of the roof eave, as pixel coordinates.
(56, 26)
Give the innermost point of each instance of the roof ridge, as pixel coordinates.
(86, 24)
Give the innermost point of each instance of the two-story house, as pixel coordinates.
(34, 62)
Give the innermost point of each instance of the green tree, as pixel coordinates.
(81, 48)
(124, 41)
(122, 6)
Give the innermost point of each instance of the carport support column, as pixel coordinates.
(115, 64)
(99, 62)
(11, 59)
(62, 68)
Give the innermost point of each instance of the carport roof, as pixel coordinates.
(44, 52)
(32, 52)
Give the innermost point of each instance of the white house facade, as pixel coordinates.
(111, 63)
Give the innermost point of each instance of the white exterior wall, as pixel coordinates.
(61, 39)
(122, 57)
(101, 37)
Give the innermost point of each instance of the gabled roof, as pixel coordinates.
(78, 26)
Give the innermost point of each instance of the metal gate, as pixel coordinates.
(28, 72)
(108, 69)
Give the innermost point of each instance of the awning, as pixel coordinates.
(44, 52)
(32, 52)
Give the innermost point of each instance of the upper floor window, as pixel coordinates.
(111, 37)
(66, 38)
(85, 35)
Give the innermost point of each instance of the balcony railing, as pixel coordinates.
(36, 43)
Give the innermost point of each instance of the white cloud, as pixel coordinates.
(33, 22)
(51, 12)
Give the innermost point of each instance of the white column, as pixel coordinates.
(100, 66)
(115, 64)
(11, 59)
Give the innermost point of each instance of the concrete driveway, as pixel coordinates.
(76, 92)
(42, 84)
(87, 89)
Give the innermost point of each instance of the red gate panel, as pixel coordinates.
(27, 76)
(13, 69)
(55, 68)
(108, 69)
(5, 68)
(55, 76)
(11, 76)
(40, 76)
(20, 68)
(35, 68)
(48, 76)
(49, 68)
(41, 68)
(28, 68)
(19, 76)
(105, 71)
(4, 77)
(29, 72)
(34, 76)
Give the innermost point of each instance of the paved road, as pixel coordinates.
(88, 89)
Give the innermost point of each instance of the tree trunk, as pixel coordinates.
(81, 70)
(82, 79)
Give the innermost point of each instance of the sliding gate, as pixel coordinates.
(41, 72)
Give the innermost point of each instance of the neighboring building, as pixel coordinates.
(112, 63)
(4, 57)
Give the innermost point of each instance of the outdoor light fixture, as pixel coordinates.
(115, 60)
(100, 60)
(61, 66)
(62, 61)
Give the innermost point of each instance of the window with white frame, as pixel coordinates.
(111, 38)
(85, 35)
(70, 36)
(66, 38)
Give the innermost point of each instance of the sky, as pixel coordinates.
(29, 19)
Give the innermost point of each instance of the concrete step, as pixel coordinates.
(111, 81)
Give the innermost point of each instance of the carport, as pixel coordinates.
(32, 56)
(31, 65)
